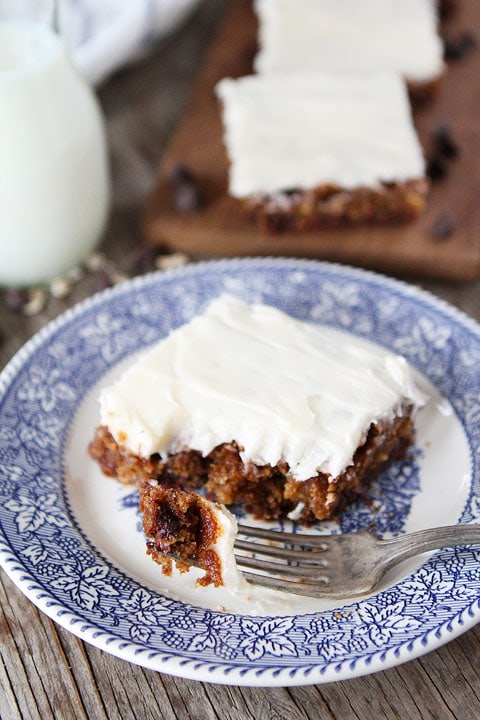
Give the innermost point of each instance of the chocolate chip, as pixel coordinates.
(443, 226)
(16, 298)
(436, 168)
(446, 8)
(459, 47)
(102, 281)
(444, 141)
(143, 259)
(186, 196)
(169, 525)
(444, 149)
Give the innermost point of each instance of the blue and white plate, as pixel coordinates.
(70, 538)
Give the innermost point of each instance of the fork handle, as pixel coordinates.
(415, 543)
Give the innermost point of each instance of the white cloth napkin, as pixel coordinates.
(103, 35)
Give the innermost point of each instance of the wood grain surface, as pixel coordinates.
(46, 673)
(220, 228)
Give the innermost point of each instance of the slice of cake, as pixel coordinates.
(185, 529)
(340, 35)
(281, 415)
(316, 150)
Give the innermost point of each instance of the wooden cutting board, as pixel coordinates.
(219, 228)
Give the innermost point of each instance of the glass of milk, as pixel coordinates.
(54, 175)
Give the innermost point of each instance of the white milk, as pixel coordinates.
(54, 179)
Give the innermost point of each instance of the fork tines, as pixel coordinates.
(283, 561)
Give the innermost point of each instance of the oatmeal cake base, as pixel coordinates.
(181, 524)
(268, 492)
(330, 206)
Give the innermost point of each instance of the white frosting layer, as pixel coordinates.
(341, 35)
(282, 388)
(224, 547)
(286, 132)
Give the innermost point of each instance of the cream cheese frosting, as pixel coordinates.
(223, 547)
(301, 131)
(284, 389)
(338, 35)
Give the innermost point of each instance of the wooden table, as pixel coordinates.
(46, 672)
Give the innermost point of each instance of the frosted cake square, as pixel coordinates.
(253, 406)
(338, 35)
(309, 151)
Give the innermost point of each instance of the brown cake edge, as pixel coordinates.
(330, 206)
(181, 528)
(268, 492)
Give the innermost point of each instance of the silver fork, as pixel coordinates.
(335, 566)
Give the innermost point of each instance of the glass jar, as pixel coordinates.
(54, 177)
